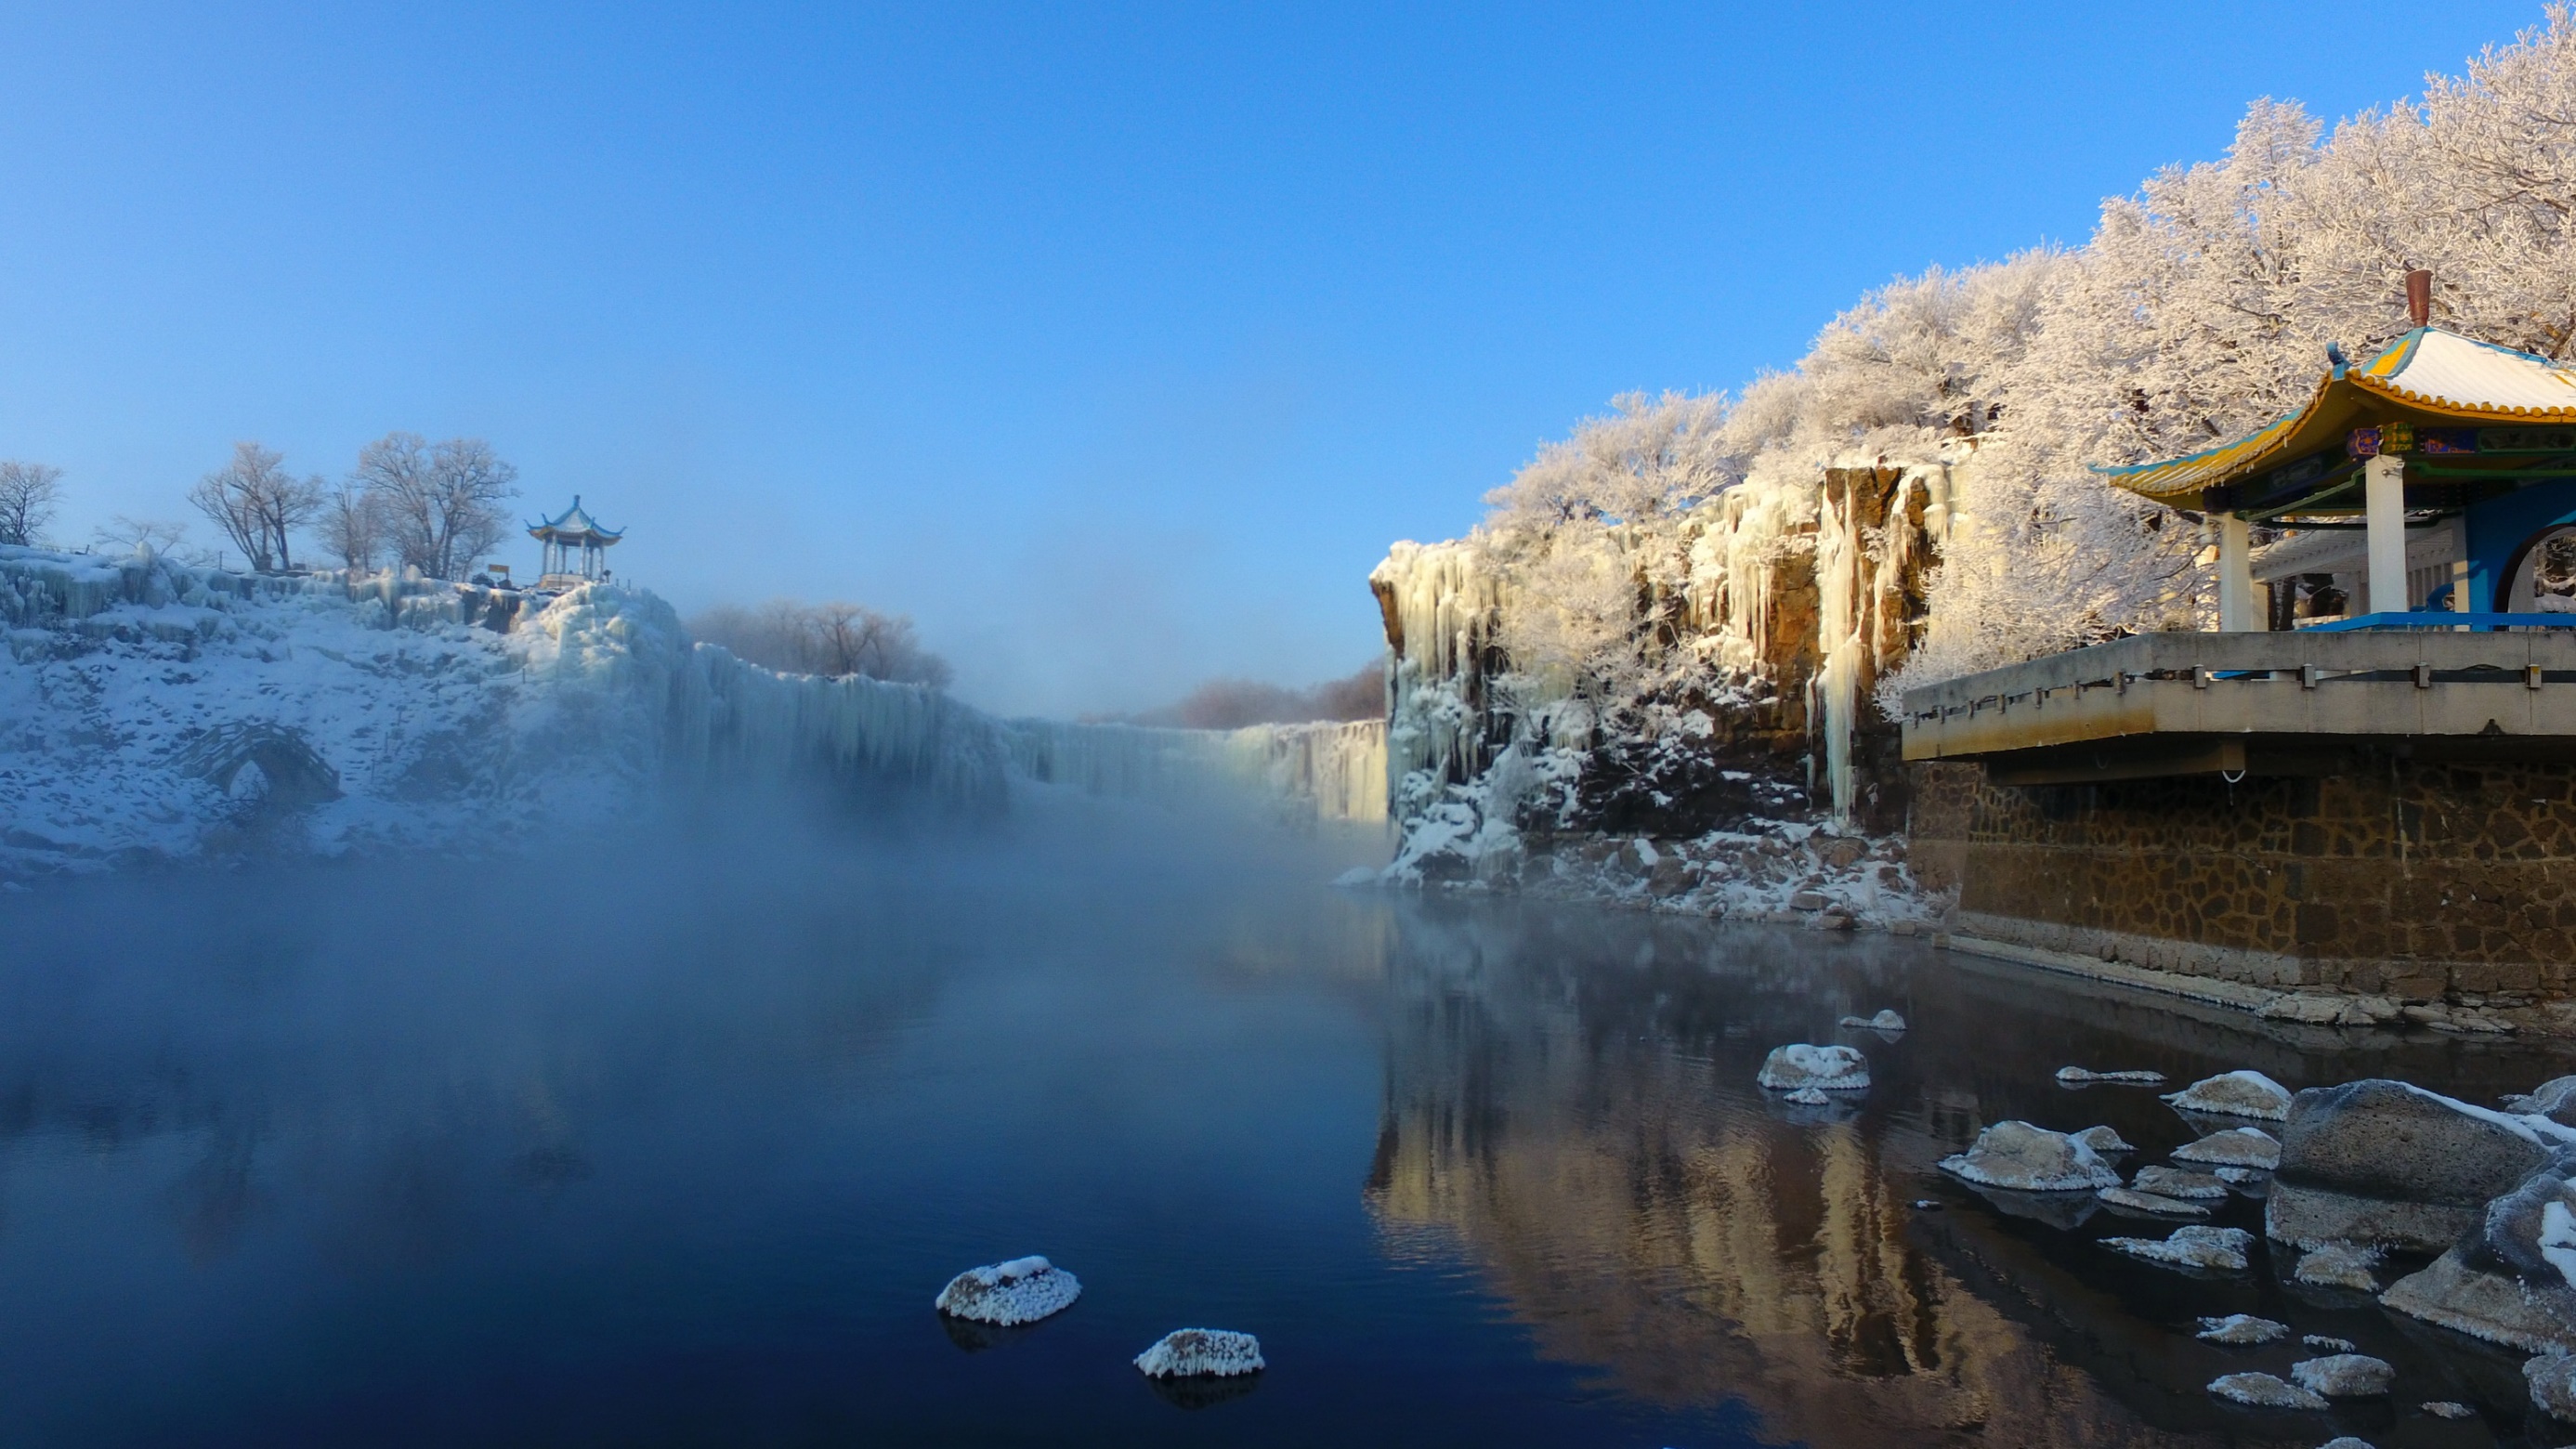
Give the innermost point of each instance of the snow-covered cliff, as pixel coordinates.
(151, 711)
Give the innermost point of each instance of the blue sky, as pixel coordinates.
(1113, 344)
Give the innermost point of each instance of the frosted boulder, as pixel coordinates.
(2509, 1281)
(1195, 1352)
(2215, 1249)
(2344, 1376)
(2241, 1329)
(2235, 1094)
(2552, 1377)
(2175, 1182)
(2078, 1076)
(2019, 1156)
(2386, 1162)
(2340, 1265)
(1886, 1020)
(1827, 1068)
(2236, 1147)
(2148, 1202)
(2264, 1392)
(2554, 1099)
(1022, 1290)
(2103, 1140)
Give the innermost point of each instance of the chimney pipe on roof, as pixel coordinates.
(2419, 297)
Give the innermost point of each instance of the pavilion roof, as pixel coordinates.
(573, 525)
(2428, 377)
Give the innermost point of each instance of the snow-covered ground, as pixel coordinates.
(154, 711)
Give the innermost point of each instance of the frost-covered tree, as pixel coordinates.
(29, 494)
(122, 534)
(438, 506)
(352, 526)
(833, 638)
(258, 504)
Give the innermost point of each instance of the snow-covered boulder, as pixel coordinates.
(2175, 1182)
(1886, 1020)
(1193, 1352)
(2151, 1203)
(1826, 1068)
(2264, 1392)
(2344, 1376)
(2339, 1265)
(2554, 1099)
(2103, 1140)
(2513, 1280)
(2025, 1158)
(2242, 1329)
(2389, 1163)
(2235, 1147)
(1022, 1290)
(2079, 1076)
(2215, 1249)
(2552, 1377)
(2234, 1094)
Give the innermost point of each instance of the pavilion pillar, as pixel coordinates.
(2384, 499)
(2235, 576)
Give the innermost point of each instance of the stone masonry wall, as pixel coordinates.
(2423, 880)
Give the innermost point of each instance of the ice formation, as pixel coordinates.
(2235, 1094)
(1191, 1352)
(1886, 1020)
(1828, 1068)
(2241, 1329)
(2221, 1249)
(152, 710)
(2320, 1343)
(2264, 1391)
(1022, 1290)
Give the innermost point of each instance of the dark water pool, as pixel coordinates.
(676, 1149)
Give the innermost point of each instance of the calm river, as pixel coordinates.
(675, 1147)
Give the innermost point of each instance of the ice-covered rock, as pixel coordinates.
(2235, 1147)
(2240, 1329)
(2176, 1182)
(2078, 1076)
(1886, 1020)
(2554, 1099)
(1191, 1352)
(2152, 1203)
(2025, 1158)
(2344, 1376)
(2388, 1163)
(2103, 1140)
(2216, 1249)
(1022, 1290)
(2448, 1409)
(2235, 1094)
(2320, 1343)
(1829, 1068)
(2264, 1392)
(2552, 1377)
(2509, 1281)
(2339, 1265)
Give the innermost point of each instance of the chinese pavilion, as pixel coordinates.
(575, 547)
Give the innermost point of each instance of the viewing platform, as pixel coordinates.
(2499, 686)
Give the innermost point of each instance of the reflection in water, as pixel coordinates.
(1571, 1101)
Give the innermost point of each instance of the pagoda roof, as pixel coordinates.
(574, 524)
(2428, 377)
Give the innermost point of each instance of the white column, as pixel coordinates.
(2384, 495)
(2235, 576)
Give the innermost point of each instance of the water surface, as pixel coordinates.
(675, 1145)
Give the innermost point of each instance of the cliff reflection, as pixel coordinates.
(1572, 1100)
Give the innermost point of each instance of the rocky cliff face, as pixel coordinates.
(1797, 596)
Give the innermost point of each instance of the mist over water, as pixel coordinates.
(673, 1141)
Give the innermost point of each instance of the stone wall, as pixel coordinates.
(2422, 879)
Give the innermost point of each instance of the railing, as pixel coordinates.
(2444, 620)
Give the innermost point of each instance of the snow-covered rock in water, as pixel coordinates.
(2344, 1376)
(2235, 1147)
(2175, 1182)
(2388, 1163)
(2103, 1140)
(2025, 1158)
(1828, 1068)
(2554, 1099)
(1193, 1352)
(2552, 1377)
(1808, 1097)
(1022, 1290)
(2079, 1076)
(2448, 1409)
(2240, 1329)
(2320, 1343)
(2339, 1265)
(2513, 1280)
(1886, 1020)
(2234, 1094)
(2264, 1392)
(2216, 1249)
(2151, 1203)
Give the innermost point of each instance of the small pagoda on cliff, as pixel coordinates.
(2439, 475)
(576, 547)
